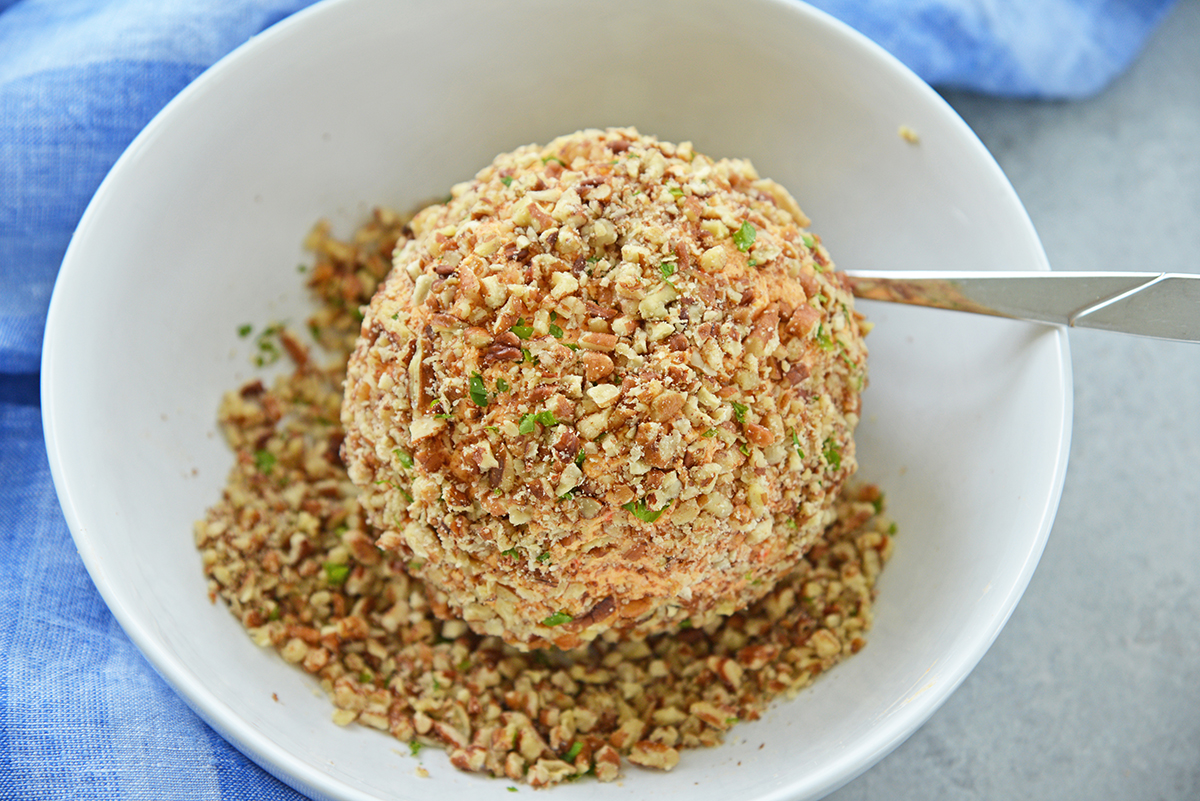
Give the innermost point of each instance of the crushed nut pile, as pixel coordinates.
(290, 552)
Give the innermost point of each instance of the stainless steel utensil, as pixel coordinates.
(1160, 305)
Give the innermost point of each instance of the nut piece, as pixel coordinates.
(650, 754)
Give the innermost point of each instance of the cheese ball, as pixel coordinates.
(609, 388)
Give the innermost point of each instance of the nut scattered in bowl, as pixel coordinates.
(609, 386)
(289, 550)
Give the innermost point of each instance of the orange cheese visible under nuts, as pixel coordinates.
(627, 379)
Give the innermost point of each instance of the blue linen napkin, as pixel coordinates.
(82, 714)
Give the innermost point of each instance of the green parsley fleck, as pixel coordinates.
(571, 345)
(739, 410)
(268, 351)
(403, 458)
(567, 496)
(576, 747)
(639, 510)
(414, 746)
(477, 390)
(832, 454)
(244, 330)
(744, 448)
(675, 191)
(557, 619)
(511, 553)
(501, 385)
(796, 442)
(809, 240)
(544, 557)
(554, 158)
(444, 416)
(712, 432)
(745, 236)
(521, 329)
(492, 429)
(527, 356)
(335, 573)
(878, 504)
(667, 268)
(547, 418)
(264, 460)
(407, 496)
(823, 339)
(526, 426)
(513, 789)
(506, 180)
(556, 332)
(686, 623)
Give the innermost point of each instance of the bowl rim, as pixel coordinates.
(304, 776)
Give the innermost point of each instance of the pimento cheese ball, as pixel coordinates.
(608, 389)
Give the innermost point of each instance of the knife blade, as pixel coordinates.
(1159, 305)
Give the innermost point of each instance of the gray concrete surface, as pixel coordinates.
(1092, 691)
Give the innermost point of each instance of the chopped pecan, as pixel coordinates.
(252, 389)
(802, 320)
(497, 352)
(604, 312)
(759, 435)
(597, 365)
(797, 373)
(566, 447)
(596, 341)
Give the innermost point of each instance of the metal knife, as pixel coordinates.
(1160, 305)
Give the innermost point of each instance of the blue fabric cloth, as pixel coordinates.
(82, 715)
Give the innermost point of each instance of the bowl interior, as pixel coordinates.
(353, 103)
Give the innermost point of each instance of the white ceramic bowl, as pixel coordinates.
(357, 102)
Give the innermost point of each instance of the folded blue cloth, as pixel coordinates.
(82, 715)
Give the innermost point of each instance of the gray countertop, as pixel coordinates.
(1092, 691)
